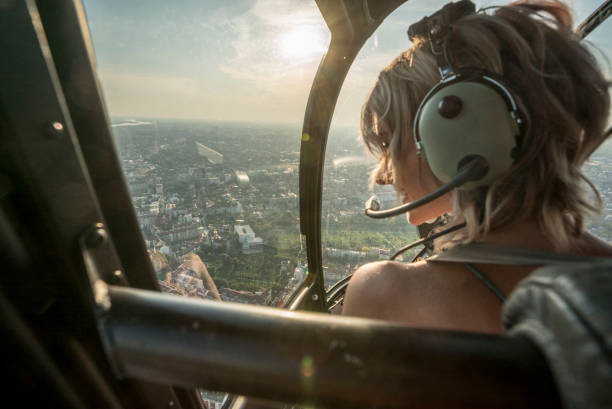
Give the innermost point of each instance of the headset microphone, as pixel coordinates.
(473, 168)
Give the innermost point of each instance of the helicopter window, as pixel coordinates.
(206, 102)
(349, 238)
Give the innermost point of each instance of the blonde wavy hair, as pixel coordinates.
(532, 46)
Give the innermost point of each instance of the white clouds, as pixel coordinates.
(161, 84)
(230, 63)
(140, 95)
(283, 13)
(258, 57)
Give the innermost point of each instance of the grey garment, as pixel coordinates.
(486, 253)
(565, 308)
(567, 311)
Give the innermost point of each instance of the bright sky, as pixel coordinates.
(238, 60)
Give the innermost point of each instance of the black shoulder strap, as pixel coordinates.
(483, 279)
(487, 253)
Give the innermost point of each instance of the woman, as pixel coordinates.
(540, 203)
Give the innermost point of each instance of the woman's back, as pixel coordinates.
(448, 295)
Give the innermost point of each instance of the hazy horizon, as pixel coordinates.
(243, 60)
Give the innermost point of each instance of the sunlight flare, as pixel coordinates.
(303, 42)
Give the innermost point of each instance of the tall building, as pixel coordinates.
(246, 236)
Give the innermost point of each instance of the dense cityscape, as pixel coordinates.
(225, 197)
(218, 206)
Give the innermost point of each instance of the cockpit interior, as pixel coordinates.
(181, 211)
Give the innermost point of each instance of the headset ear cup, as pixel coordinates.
(462, 119)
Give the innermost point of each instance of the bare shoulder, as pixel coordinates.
(376, 288)
(423, 294)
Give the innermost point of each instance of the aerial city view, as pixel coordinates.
(202, 191)
(217, 203)
(224, 198)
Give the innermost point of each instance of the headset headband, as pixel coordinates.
(436, 29)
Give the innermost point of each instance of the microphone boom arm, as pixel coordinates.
(474, 170)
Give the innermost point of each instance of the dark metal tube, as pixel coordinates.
(320, 359)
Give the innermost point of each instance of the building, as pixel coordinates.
(146, 219)
(246, 236)
(232, 209)
(299, 274)
(190, 231)
(242, 178)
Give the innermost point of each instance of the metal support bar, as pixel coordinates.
(68, 39)
(595, 19)
(320, 359)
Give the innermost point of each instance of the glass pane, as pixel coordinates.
(349, 237)
(206, 101)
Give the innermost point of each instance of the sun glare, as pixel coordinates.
(302, 43)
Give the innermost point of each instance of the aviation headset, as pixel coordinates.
(469, 127)
(469, 114)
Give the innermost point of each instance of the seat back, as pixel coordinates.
(567, 311)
